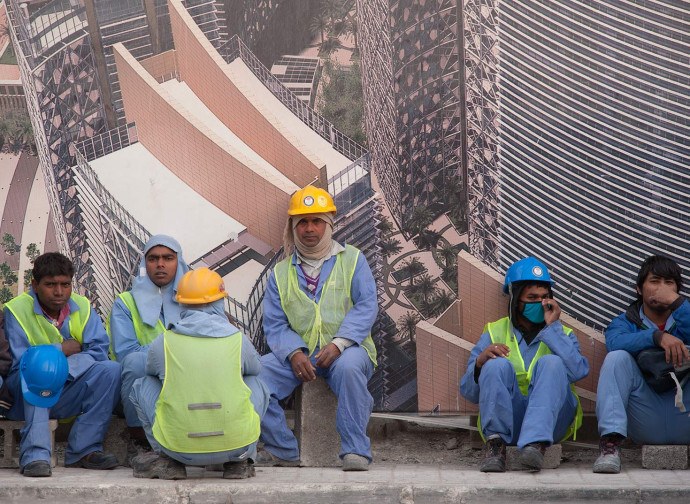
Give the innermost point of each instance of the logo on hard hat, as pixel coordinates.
(321, 200)
(308, 201)
(46, 393)
(537, 271)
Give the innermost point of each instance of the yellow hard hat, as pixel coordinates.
(200, 286)
(311, 200)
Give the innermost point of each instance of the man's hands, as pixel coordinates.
(302, 367)
(491, 352)
(552, 311)
(70, 347)
(676, 352)
(327, 355)
(664, 295)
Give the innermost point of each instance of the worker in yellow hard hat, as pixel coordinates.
(202, 401)
(319, 307)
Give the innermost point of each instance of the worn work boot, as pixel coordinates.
(238, 470)
(495, 456)
(152, 466)
(609, 460)
(96, 460)
(354, 462)
(37, 469)
(136, 447)
(267, 459)
(532, 456)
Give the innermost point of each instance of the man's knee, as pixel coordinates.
(498, 368)
(135, 364)
(551, 365)
(616, 360)
(354, 361)
(107, 371)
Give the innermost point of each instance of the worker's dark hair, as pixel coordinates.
(52, 264)
(661, 266)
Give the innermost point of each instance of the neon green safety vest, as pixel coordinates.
(37, 328)
(318, 324)
(204, 405)
(500, 332)
(145, 333)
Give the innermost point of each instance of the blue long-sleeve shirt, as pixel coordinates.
(124, 338)
(356, 326)
(565, 346)
(95, 340)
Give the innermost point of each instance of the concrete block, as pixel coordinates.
(552, 457)
(10, 442)
(315, 409)
(665, 457)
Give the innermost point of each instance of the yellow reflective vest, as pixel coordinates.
(501, 332)
(37, 328)
(204, 405)
(318, 324)
(145, 333)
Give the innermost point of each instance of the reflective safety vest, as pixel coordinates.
(204, 405)
(318, 324)
(37, 328)
(145, 333)
(501, 332)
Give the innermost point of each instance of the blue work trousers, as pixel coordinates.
(347, 377)
(133, 368)
(92, 397)
(628, 406)
(144, 395)
(544, 414)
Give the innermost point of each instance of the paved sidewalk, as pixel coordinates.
(399, 484)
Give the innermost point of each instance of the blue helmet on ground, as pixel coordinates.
(44, 371)
(528, 268)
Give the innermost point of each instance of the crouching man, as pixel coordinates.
(201, 402)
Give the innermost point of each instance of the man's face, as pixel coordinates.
(53, 292)
(532, 294)
(161, 265)
(656, 292)
(310, 230)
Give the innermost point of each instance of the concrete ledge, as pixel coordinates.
(665, 457)
(552, 457)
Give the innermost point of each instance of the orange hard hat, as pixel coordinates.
(311, 200)
(200, 286)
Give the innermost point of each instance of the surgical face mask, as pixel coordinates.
(534, 312)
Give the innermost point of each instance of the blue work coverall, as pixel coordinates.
(347, 376)
(91, 392)
(625, 403)
(146, 390)
(549, 407)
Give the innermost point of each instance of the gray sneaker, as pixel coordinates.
(267, 459)
(238, 470)
(609, 460)
(354, 462)
(152, 466)
(532, 456)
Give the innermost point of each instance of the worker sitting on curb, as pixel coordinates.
(319, 307)
(626, 405)
(51, 314)
(202, 402)
(521, 373)
(138, 317)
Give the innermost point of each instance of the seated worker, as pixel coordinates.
(139, 316)
(202, 401)
(51, 314)
(521, 373)
(626, 405)
(6, 399)
(319, 307)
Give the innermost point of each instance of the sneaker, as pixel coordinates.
(267, 459)
(609, 460)
(96, 460)
(136, 447)
(37, 469)
(354, 462)
(495, 456)
(532, 456)
(157, 466)
(238, 470)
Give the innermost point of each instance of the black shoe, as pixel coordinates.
(532, 456)
(96, 460)
(495, 457)
(153, 466)
(136, 447)
(238, 470)
(37, 469)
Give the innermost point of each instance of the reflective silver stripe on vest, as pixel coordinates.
(205, 434)
(206, 405)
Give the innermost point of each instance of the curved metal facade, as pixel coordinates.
(594, 142)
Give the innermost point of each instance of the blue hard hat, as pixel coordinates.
(44, 371)
(528, 268)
